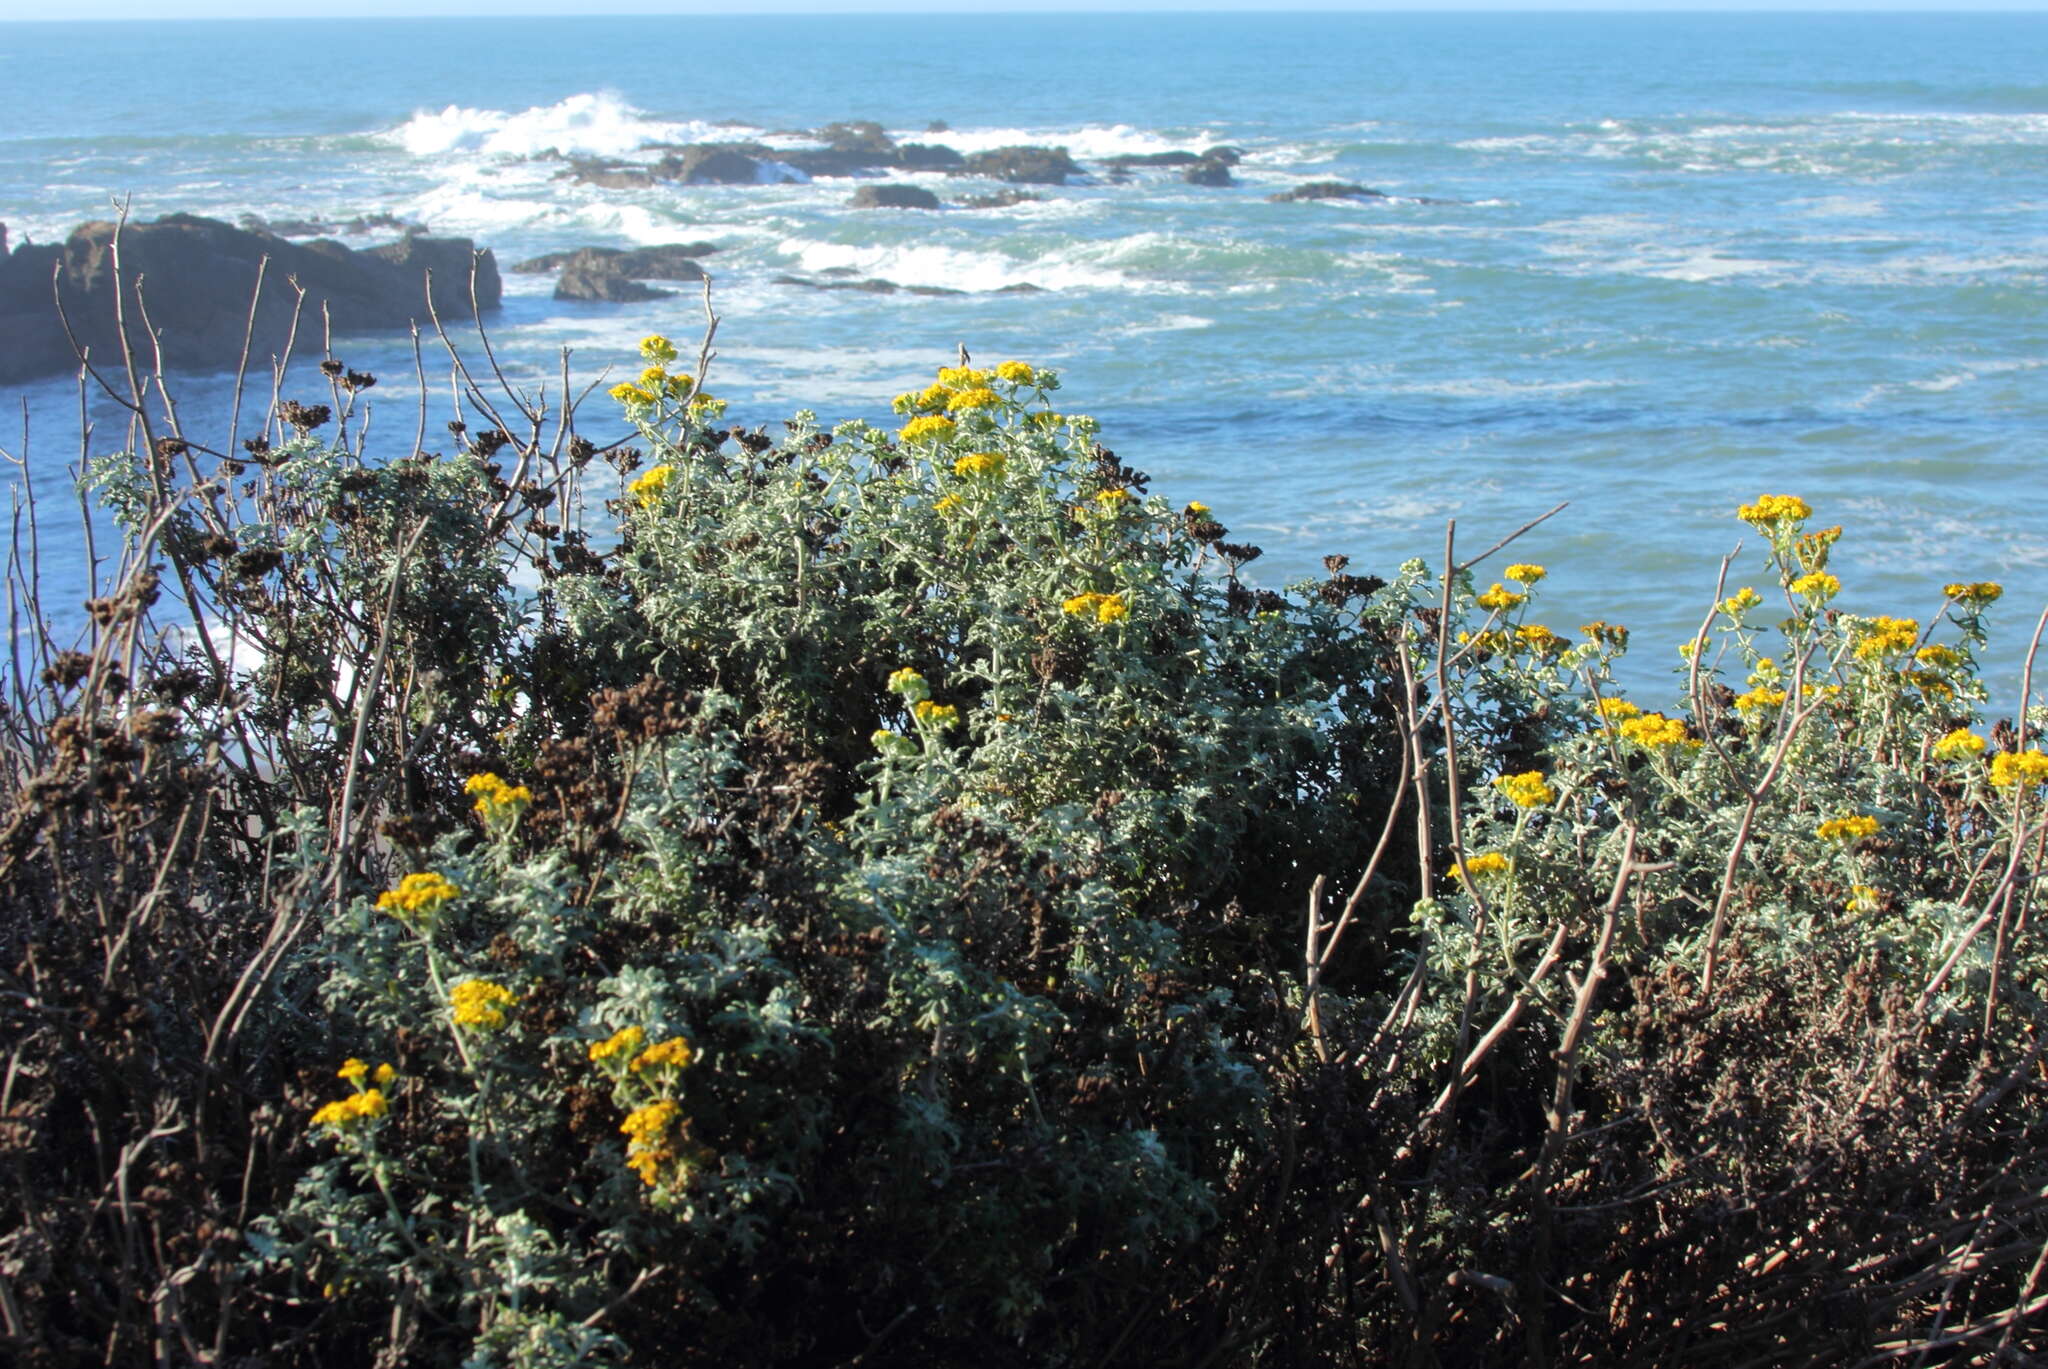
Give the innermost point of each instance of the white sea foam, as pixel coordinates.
(1091, 142)
(596, 124)
(957, 268)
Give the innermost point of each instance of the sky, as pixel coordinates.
(261, 9)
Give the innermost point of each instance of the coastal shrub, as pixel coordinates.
(853, 895)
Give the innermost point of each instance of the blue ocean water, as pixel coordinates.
(1650, 265)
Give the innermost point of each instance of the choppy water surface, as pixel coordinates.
(1652, 266)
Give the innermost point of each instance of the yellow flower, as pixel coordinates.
(1539, 639)
(946, 503)
(630, 393)
(674, 1053)
(1771, 510)
(939, 716)
(680, 384)
(1817, 584)
(1762, 697)
(1811, 551)
(480, 1003)
(419, 895)
(1606, 634)
(625, 1041)
(1082, 604)
(979, 397)
(1526, 790)
(1481, 866)
(1112, 499)
(2027, 767)
(961, 377)
(1654, 730)
(1017, 372)
(343, 1114)
(646, 1129)
(384, 1075)
(1885, 636)
(1862, 899)
(1939, 657)
(1196, 509)
(652, 483)
(655, 347)
(1974, 594)
(1848, 829)
(1111, 609)
(1740, 602)
(929, 428)
(1500, 597)
(1522, 573)
(1617, 710)
(654, 378)
(1958, 745)
(495, 799)
(353, 1070)
(979, 463)
(909, 684)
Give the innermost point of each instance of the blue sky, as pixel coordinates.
(257, 9)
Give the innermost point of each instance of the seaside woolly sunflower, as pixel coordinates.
(1851, 828)
(418, 895)
(929, 428)
(1961, 744)
(1527, 790)
(1773, 511)
(2028, 767)
(480, 1003)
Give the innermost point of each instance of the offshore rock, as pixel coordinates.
(596, 278)
(197, 276)
(1327, 190)
(1023, 165)
(893, 197)
(1206, 172)
(669, 261)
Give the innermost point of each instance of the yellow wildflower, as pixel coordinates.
(2027, 767)
(1974, 594)
(625, 1041)
(1527, 790)
(353, 1070)
(343, 1114)
(1112, 499)
(961, 377)
(928, 428)
(1481, 866)
(1939, 657)
(1111, 608)
(1740, 602)
(674, 1053)
(1862, 899)
(979, 463)
(939, 716)
(384, 1075)
(1771, 510)
(1958, 745)
(1885, 636)
(1606, 634)
(419, 895)
(1654, 730)
(496, 799)
(480, 1003)
(1500, 597)
(1851, 828)
(654, 378)
(1817, 584)
(979, 397)
(1617, 710)
(1082, 604)
(1522, 573)
(651, 485)
(655, 347)
(946, 503)
(909, 684)
(1762, 697)
(1539, 639)
(1196, 509)
(1017, 372)
(1811, 551)
(630, 393)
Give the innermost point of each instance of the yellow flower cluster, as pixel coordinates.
(480, 1003)
(626, 1041)
(1741, 602)
(938, 716)
(657, 348)
(1854, 827)
(651, 485)
(1481, 866)
(1811, 551)
(1974, 594)
(1654, 730)
(344, 1113)
(1605, 633)
(1539, 639)
(1527, 790)
(1617, 710)
(674, 1053)
(975, 397)
(1017, 373)
(419, 895)
(909, 684)
(1758, 699)
(629, 393)
(2028, 767)
(1883, 636)
(1522, 573)
(1817, 584)
(496, 799)
(1771, 510)
(946, 503)
(1112, 500)
(1938, 657)
(646, 1131)
(1959, 745)
(978, 463)
(1196, 509)
(1862, 899)
(1105, 608)
(1501, 597)
(356, 1071)
(929, 428)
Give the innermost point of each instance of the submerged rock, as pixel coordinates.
(596, 278)
(198, 276)
(1002, 199)
(929, 157)
(1327, 190)
(1206, 172)
(669, 261)
(893, 197)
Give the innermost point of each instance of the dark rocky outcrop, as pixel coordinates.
(608, 175)
(844, 278)
(1002, 199)
(857, 135)
(1224, 153)
(893, 197)
(714, 164)
(1023, 165)
(1210, 173)
(320, 228)
(198, 276)
(1327, 190)
(1124, 161)
(929, 157)
(669, 261)
(596, 278)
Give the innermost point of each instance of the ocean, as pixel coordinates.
(1652, 266)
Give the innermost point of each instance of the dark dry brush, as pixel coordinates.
(1133, 1013)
